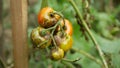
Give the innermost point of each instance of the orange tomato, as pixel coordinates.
(47, 18)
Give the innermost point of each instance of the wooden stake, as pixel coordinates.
(19, 32)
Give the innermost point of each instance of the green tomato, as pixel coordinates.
(57, 54)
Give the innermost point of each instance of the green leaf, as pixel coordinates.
(116, 60)
(108, 46)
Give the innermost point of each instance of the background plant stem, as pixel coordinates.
(89, 33)
(44, 4)
(88, 56)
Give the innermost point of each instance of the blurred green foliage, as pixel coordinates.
(105, 27)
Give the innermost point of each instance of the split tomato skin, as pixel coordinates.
(38, 39)
(67, 26)
(47, 17)
(57, 54)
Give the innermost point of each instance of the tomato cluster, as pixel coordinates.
(54, 32)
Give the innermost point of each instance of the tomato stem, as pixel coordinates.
(68, 64)
(58, 13)
(62, 30)
(58, 23)
(87, 55)
(54, 41)
(41, 44)
(68, 60)
(52, 28)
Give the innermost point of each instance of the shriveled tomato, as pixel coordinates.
(57, 54)
(67, 26)
(38, 39)
(47, 17)
(65, 42)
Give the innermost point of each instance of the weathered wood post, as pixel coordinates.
(19, 32)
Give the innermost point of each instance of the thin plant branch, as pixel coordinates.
(68, 64)
(88, 56)
(53, 33)
(89, 33)
(68, 60)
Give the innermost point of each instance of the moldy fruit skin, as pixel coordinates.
(37, 39)
(57, 54)
(64, 42)
(47, 18)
